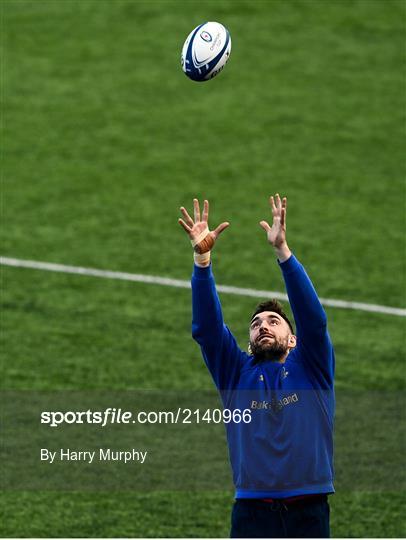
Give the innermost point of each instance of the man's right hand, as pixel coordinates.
(201, 237)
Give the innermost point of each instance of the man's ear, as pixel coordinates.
(292, 341)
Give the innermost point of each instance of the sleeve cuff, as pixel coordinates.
(202, 273)
(290, 265)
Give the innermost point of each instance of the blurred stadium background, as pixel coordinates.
(103, 138)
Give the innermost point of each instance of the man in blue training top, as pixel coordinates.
(282, 458)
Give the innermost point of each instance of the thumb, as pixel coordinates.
(265, 225)
(218, 230)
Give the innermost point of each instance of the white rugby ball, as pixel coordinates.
(206, 51)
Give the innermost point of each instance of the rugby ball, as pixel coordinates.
(206, 51)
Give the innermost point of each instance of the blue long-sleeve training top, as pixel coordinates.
(286, 449)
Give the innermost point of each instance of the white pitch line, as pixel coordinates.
(169, 282)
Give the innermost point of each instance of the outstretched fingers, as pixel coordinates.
(218, 230)
(272, 203)
(188, 219)
(183, 224)
(283, 210)
(196, 209)
(278, 205)
(205, 215)
(265, 225)
(200, 226)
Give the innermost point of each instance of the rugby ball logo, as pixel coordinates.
(206, 36)
(206, 51)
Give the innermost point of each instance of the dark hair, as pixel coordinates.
(276, 307)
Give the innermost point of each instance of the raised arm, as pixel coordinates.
(219, 348)
(310, 317)
(306, 307)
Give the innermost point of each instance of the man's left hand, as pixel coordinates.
(277, 233)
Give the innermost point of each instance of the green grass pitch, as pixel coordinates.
(103, 138)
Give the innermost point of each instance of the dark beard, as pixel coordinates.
(275, 352)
